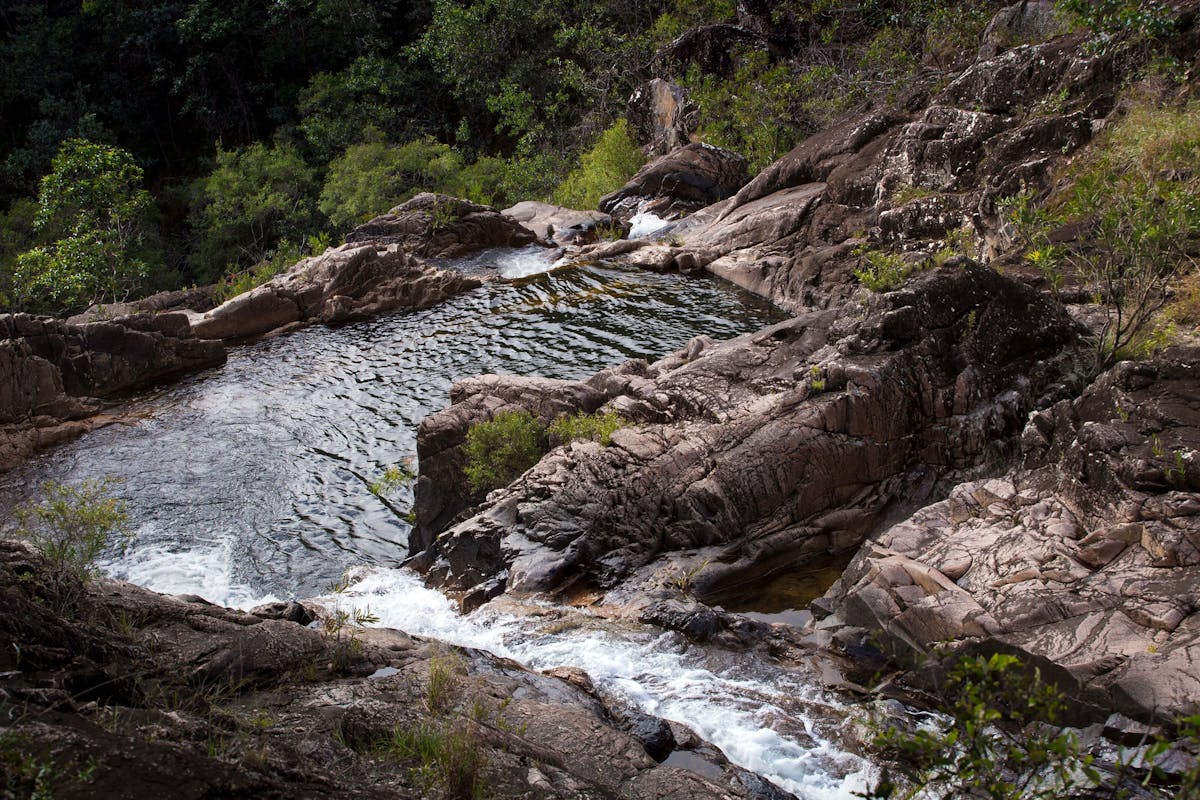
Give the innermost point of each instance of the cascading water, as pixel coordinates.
(251, 482)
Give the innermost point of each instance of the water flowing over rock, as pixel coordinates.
(793, 441)
(435, 225)
(173, 696)
(680, 182)
(1087, 557)
(901, 177)
(53, 374)
(343, 283)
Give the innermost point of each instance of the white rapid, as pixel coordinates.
(764, 718)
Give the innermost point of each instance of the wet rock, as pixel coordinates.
(791, 441)
(151, 696)
(436, 225)
(680, 182)
(344, 283)
(53, 373)
(654, 733)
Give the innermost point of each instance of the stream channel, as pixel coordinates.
(250, 482)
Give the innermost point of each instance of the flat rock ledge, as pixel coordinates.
(342, 284)
(55, 376)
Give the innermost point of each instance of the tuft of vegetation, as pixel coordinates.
(71, 526)
(882, 272)
(1136, 196)
(502, 448)
(596, 427)
(606, 167)
(450, 760)
(339, 624)
(395, 476)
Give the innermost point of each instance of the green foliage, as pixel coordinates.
(450, 761)
(96, 220)
(1137, 197)
(596, 427)
(499, 450)
(71, 526)
(605, 168)
(395, 476)
(442, 690)
(1130, 21)
(882, 272)
(370, 178)
(684, 14)
(253, 199)
(997, 742)
(753, 112)
(344, 108)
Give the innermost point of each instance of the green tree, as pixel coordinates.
(605, 168)
(253, 199)
(96, 219)
(369, 178)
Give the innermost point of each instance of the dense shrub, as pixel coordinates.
(597, 427)
(71, 526)
(370, 178)
(605, 168)
(253, 199)
(499, 450)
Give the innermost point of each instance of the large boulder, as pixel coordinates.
(344, 283)
(796, 440)
(676, 184)
(662, 116)
(53, 373)
(435, 225)
(1087, 557)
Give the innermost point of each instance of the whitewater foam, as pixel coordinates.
(745, 715)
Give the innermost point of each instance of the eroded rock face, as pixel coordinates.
(440, 226)
(793, 440)
(676, 184)
(53, 373)
(1087, 557)
(344, 283)
(173, 696)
